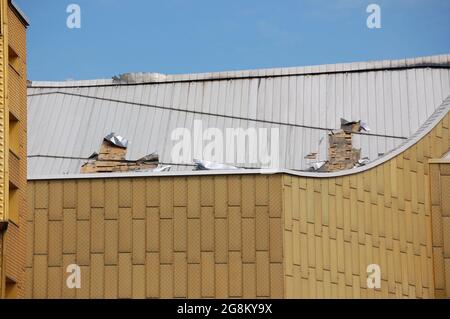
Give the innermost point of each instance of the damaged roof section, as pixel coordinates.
(426, 62)
(116, 140)
(341, 152)
(425, 129)
(67, 119)
(112, 158)
(133, 78)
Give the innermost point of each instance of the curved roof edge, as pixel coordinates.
(435, 61)
(426, 128)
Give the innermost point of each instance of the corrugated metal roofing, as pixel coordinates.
(425, 129)
(20, 13)
(67, 120)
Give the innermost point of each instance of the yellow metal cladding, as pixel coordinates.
(440, 218)
(3, 107)
(3, 123)
(190, 237)
(247, 236)
(389, 215)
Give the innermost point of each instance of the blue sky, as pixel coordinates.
(185, 36)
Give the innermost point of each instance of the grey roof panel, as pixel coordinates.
(429, 124)
(69, 122)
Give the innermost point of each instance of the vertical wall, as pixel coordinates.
(3, 126)
(335, 227)
(440, 213)
(17, 165)
(194, 236)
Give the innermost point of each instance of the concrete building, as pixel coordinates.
(278, 233)
(13, 150)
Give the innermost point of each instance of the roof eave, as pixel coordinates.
(20, 14)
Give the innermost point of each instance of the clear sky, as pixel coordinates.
(185, 36)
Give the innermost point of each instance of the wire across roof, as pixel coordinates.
(429, 124)
(67, 120)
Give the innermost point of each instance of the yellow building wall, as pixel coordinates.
(13, 105)
(335, 227)
(269, 236)
(440, 217)
(3, 127)
(194, 237)
(3, 107)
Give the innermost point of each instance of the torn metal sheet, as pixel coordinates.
(350, 126)
(365, 127)
(117, 140)
(93, 156)
(363, 161)
(318, 165)
(155, 170)
(162, 169)
(129, 78)
(112, 158)
(207, 166)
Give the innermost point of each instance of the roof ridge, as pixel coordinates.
(140, 78)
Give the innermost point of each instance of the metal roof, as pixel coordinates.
(429, 124)
(20, 13)
(68, 120)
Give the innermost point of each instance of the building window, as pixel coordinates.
(13, 203)
(14, 135)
